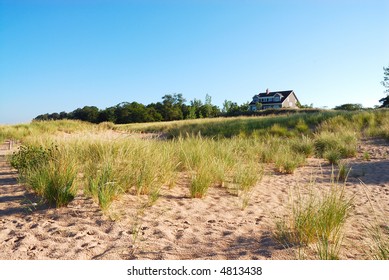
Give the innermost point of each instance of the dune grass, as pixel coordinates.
(59, 158)
(225, 152)
(50, 171)
(315, 218)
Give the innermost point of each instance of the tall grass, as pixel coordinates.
(103, 184)
(378, 231)
(334, 146)
(211, 152)
(316, 219)
(50, 172)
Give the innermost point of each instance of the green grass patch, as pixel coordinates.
(315, 219)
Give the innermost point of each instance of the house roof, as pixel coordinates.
(284, 94)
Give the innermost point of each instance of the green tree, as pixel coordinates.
(87, 113)
(207, 111)
(107, 115)
(227, 104)
(171, 107)
(385, 83)
(258, 106)
(196, 104)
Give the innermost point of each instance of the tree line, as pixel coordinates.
(173, 107)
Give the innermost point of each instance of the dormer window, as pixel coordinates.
(277, 98)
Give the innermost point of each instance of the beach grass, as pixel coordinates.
(213, 152)
(315, 219)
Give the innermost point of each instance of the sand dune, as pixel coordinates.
(178, 227)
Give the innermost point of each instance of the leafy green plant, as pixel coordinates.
(29, 157)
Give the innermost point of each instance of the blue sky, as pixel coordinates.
(60, 55)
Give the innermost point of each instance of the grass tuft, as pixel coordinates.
(316, 219)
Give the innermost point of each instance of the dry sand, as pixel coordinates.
(178, 227)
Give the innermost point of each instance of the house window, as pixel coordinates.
(277, 98)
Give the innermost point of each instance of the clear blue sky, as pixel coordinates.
(59, 55)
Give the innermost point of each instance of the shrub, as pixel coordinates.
(29, 157)
(48, 171)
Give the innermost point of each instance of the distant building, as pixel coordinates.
(274, 99)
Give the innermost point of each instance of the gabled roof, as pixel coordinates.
(284, 94)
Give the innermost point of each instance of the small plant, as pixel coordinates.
(246, 176)
(302, 127)
(244, 179)
(287, 162)
(29, 157)
(200, 182)
(303, 145)
(48, 171)
(328, 248)
(154, 195)
(315, 219)
(278, 130)
(333, 156)
(380, 247)
(102, 184)
(59, 186)
(344, 171)
(366, 156)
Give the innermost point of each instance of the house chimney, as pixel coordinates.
(267, 91)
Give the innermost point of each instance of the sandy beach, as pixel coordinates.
(179, 227)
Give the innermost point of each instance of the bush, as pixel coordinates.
(29, 157)
(48, 171)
